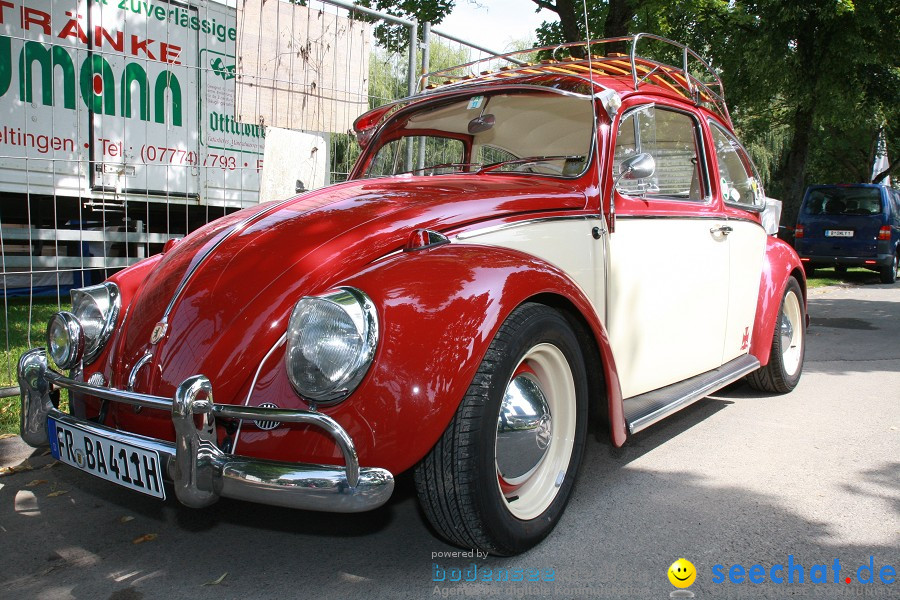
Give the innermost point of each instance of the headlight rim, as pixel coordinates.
(369, 326)
(75, 339)
(114, 298)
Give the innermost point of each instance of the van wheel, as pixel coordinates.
(785, 366)
(889, 273)
(501, 474)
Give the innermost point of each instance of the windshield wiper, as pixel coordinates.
(526, 160)
(453, 165)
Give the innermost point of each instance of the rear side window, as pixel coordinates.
(843, 201)
(737, 175)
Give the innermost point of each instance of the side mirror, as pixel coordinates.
(300, 188)
(638, 166)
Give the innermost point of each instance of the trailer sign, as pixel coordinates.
(116, 99)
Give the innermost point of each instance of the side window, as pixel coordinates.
(672, 138)
(737, 176)
(391, 158)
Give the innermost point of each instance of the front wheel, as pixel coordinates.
(785, 366)
(501, 474)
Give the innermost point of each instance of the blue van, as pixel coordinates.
(850, 225)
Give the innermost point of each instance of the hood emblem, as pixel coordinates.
(159, 332)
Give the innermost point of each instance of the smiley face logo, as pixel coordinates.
(682, 573)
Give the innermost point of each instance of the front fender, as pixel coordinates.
(439, 310)
(781, 262)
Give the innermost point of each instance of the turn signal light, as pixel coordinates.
(884, 233)
(798, 232)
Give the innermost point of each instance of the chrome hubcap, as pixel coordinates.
(524, 429)
(535, 432)
(787, 331)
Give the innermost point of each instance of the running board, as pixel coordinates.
(645, 410)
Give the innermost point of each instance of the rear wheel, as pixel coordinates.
(501, 474)
(889, 273)
(785, 366)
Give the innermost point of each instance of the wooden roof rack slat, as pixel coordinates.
(642, 69)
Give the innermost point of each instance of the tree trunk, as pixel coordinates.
(794, 174)
(570, 19)
(619, 17)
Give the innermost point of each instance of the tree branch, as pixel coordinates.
(544, 4)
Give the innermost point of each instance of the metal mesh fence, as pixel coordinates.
(125, 124)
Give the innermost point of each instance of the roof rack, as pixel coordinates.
(678, 78)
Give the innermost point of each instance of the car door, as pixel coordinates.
(668, 274)
(741, 192)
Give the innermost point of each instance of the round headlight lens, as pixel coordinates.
(331, 341)
(96, 308)
(65, 340)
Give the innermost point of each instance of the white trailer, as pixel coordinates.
(118, 128)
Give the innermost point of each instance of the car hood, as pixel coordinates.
(230, 286)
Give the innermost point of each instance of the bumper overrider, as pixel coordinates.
(201, 472)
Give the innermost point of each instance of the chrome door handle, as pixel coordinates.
(723, 229)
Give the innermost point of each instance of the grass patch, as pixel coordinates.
(14, 340)
(854, 276)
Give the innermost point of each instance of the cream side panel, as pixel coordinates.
(566, 243)
(747, 245)
(668, 300)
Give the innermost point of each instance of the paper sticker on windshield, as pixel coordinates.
(726, 189)
(475, 102)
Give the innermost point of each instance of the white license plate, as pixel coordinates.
(838, 233)
(127, 465)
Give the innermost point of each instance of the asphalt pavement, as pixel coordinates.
(750, 488)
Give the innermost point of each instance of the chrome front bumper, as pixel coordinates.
(200, 471)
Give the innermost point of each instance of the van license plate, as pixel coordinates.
(838, 233)
(129, 466)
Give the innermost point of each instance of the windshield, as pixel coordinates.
(532, 132)
(843, 201)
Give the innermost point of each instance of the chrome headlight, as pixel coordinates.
(96, 309)
(65, 340)
(331, 342)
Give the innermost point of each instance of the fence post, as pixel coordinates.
(426, 58)
(412, 79)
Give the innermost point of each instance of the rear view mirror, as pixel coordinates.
(482, 123)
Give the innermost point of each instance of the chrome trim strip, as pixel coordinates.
(200, 471)
(687, 392)
(691, 218)
(280, 342)
(465, 235)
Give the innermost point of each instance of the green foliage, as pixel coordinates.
(16, 331)
(810, 85)
(395, 38)
(387, 82)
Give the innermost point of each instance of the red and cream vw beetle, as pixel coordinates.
(513, 252)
